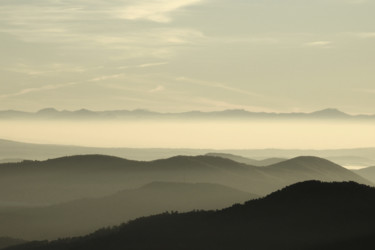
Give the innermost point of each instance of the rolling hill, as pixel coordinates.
(307, 166)
(70, 178)
(367, 173)
(31, 151)
(248, 161)
(86, 215)
(308, 215)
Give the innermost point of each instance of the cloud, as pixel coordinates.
(320, 44)
(41, 70)
(364, 35)
(37, 89)
(22, 12)
(158, 88)
(147, 65)
(105, 77)
(154, 43)
(58, 86)
(218, 85)
(122, 87)
(96, 25)
(154, 10)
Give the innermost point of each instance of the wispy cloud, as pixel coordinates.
(105, 77)
(158, 88)
(123, 87)
(363, 35)
(59, 86)
(143, 65)
(97, 25)
(252, 39)
(37, 89)
(147, 65)
(154, 10)
(218, 85)
(212, 104)
(41, 70)
(320, 44)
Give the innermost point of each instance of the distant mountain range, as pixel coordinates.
(303, 216)
(51, 113)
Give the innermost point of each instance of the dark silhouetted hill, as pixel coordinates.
(7, 242)
(308, 215)
(86, 215)
(10, 160)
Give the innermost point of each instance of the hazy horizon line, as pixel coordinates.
(53, 109)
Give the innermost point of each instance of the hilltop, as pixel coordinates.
(368, 173)
(248, 161)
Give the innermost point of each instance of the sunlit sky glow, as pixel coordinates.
(179, 55)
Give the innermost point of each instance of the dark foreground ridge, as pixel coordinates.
(83, 216)
(7, 242)
(308, 215)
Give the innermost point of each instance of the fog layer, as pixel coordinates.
(197, 134)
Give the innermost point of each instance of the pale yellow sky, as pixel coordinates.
(180, 55)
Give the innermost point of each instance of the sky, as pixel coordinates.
(181, 55)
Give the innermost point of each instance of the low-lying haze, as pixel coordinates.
(194, 134)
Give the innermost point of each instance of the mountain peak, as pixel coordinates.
(329, 112)
(84, 112)
(48, 111)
